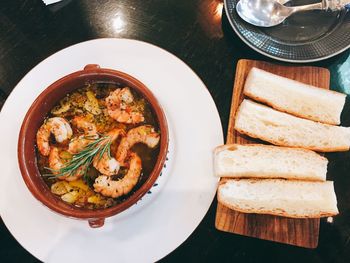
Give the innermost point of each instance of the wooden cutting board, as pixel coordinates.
(298, 232)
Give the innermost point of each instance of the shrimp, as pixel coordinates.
(56, 163)
(119, 107)
(141, 134)
(86, 126)
(111, 188)
(59, 127)
(105, 164)
(90, 133)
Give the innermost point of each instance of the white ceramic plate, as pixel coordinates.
(143, 233)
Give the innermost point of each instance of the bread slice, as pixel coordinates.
(295, 97)
(267, 161)
(280, 128)
(280, 197)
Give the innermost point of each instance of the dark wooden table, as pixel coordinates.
(197, 31)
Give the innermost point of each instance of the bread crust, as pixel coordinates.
(317, 149)
(283, 214)
(293, 80)
(295, 113)
(277, 212)
(257, 136)
(334, 120)
(268, 175)
(267, 146)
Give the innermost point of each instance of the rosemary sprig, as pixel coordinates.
(84, 158)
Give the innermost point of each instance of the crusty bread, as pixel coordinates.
(295, 97)
(267, 161)
(283, 129)
(280, 197)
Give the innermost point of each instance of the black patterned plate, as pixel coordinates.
(303, 37)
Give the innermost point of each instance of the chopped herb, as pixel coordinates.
(84, 158)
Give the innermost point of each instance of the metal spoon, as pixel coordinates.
(267, 13)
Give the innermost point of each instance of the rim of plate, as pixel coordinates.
(183, 65)
(238, 33)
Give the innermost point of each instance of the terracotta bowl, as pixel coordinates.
(34, 119)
